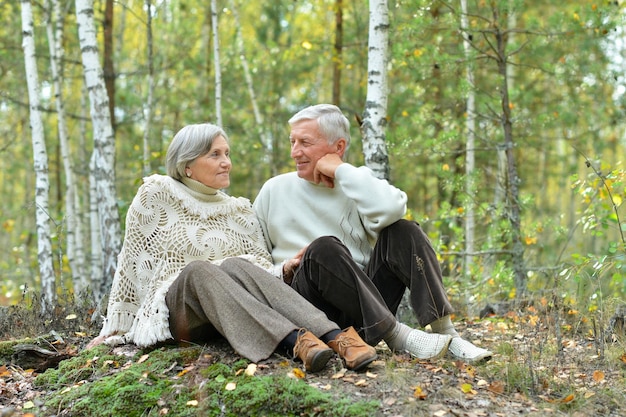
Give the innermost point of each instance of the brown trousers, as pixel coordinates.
(252, 309)
(368, 299)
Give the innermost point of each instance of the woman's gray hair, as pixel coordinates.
(189, 143)
(331, 121)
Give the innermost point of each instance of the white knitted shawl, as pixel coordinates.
(168, 225)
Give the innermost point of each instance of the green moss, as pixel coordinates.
(274, 396)
(97, 384)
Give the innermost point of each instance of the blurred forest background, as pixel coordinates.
(505, 125)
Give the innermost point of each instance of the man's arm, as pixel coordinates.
(378, 202)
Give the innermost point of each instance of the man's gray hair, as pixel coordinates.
(331, 121)
(188, 144)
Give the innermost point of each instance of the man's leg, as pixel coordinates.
(404, 258)
(330, 279)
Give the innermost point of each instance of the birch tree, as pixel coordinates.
(104, 145)
(75, 248)
(375, 113)
(40, 160)
(470, 127)
(216, 59)
(149, 100)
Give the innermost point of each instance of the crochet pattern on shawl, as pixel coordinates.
(169, 225)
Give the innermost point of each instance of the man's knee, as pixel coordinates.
(403, 229)
(325, 246)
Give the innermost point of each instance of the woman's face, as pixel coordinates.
(213, 168)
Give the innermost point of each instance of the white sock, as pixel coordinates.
(396, 339)
(444, 326)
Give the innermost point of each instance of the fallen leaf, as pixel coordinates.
(598, 376)
(361, 383)
(390, 401)
(564, 400)
(497, 387)
(466, 388)
(231, 386)
(143, 358)
(371, 375)
(297, 372)
(192, 403)
(340, 374)
(419, 393)
(251, 369)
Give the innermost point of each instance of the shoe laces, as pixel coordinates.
(302, 344)
(344, 341)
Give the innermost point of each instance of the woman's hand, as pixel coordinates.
(96, 341)
(290, 266)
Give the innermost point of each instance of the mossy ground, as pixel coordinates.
(536, 371)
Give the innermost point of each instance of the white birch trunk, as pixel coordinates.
(216, 63)
(375, 114)
(40, 159)
(149, 100)
(104, 145)
(470, 129)
(75, 247)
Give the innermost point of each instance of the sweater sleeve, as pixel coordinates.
(378, 202)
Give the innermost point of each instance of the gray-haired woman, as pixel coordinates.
(194, 266)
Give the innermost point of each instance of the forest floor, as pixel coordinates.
(538, 369)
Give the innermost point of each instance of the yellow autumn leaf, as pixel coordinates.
(231, 386)
(297, 372)
(530, 240)
(419, 393)
(466, 388)
(598, 376)
(251, 369)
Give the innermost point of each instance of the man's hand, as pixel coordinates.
(290, 266)
(325, 169)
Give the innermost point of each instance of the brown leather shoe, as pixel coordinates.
(312, 351)
(355, 352)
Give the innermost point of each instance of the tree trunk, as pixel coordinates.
(149, 100)
(337, 60)
(109, 69)
(104, 145)
(375, 113)
(470, 158)
(40, 159)
(216, 59)
(513, 209)
(75, 244)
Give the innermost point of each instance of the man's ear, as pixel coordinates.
(340, 147)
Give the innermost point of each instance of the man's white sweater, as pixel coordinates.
(293, 212)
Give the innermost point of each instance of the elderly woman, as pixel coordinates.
(194, 266)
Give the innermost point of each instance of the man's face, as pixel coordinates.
(307, 147)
